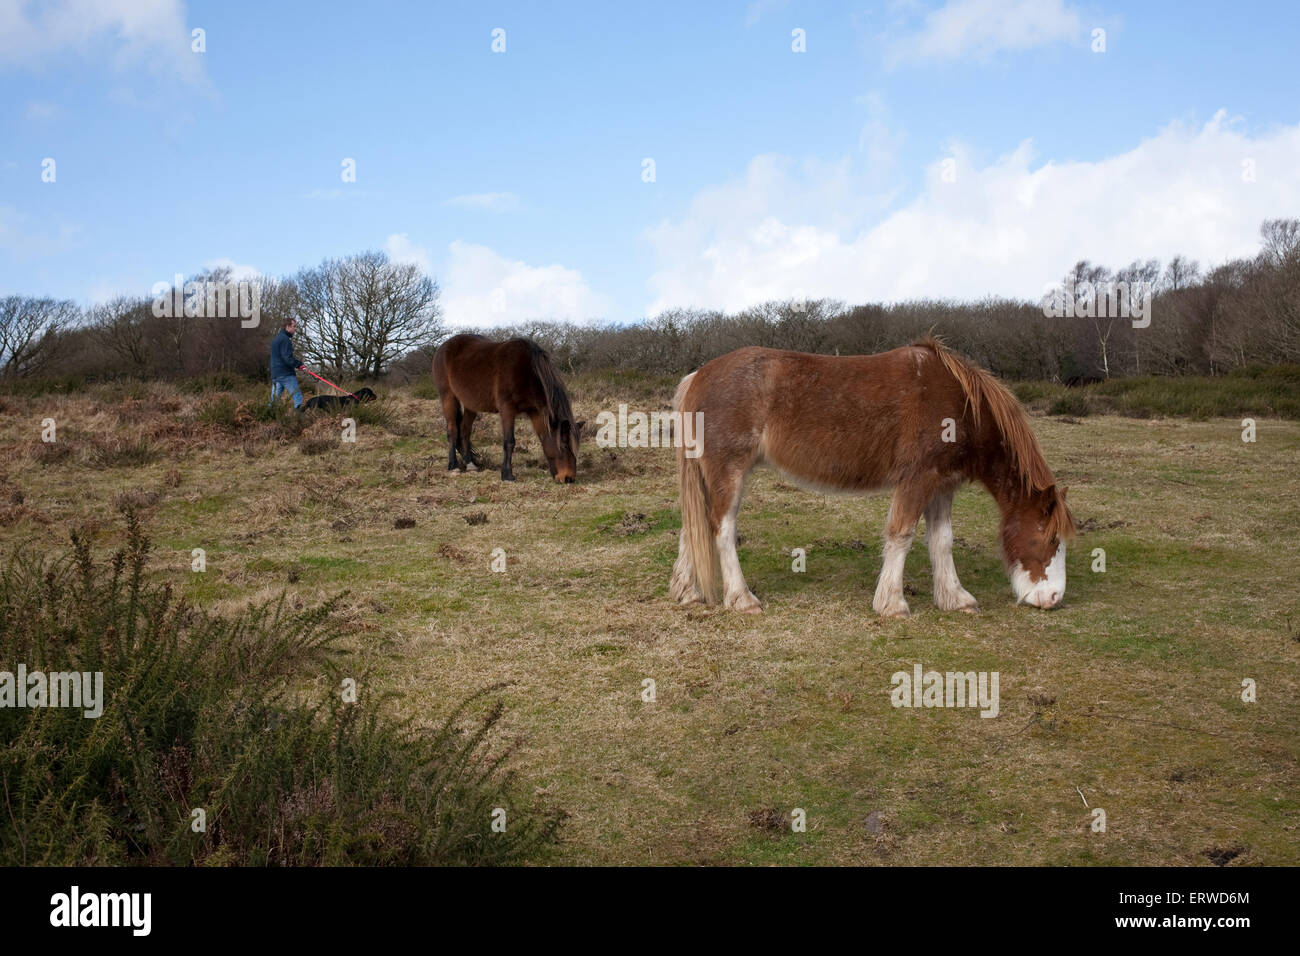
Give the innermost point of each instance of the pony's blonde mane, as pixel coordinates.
(981, 389)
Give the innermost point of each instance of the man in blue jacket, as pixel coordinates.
(285, 365)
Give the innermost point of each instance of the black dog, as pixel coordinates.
(334, 402)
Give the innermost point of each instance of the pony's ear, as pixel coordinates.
(1064, 489)
(578, 426)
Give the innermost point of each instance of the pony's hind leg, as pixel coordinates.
(682, 587)
(949, 595)
(726, 503)
(904, 512)
(452, 411)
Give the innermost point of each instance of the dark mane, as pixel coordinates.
(558, 409)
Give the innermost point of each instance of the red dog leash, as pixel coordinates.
(327, 382)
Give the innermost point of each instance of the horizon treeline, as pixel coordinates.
(367, 317)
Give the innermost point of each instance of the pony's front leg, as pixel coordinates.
(508, 444)
(904, 512)
(949, 595)
(467, 450)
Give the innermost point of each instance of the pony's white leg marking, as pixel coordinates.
(949, 595)
(1046, 593)
(683, 589)
(889, 600)
(734, 592)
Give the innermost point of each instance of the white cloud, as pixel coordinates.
(488, 202)
(980, 28)
(152, 33)
(481, 288)
(401, 249)
(238, 271)
(1009, 228)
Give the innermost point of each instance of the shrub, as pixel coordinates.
(425, 387)
(51, 453)
(226, 412)
(213, 382)
(381, 413)
(1071, 403)
(37, 387)
(202, 711)
(316, 445)
(124, 453)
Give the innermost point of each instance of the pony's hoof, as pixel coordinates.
(507, 477)
(746, 604)
(471, 467)
(894, 610)
(453, 471)
(963, 602)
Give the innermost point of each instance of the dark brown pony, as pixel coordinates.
(477, 376)
(919, 419)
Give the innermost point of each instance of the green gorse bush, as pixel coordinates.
(238, 716)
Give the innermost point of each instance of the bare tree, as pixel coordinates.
(394, 308)
(1180, 273)
(1088, 281)
(29, 332)
(361, 313)
(1281, 240)
(121, 326)
(321, 310)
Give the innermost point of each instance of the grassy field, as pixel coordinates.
(1128, 697)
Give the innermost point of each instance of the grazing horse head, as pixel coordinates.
(560, 445)
(1035, 529)
(1036, 522)
(562, 434)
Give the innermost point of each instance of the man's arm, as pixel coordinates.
(287, 358)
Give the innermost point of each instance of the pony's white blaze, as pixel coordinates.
(1046, 593)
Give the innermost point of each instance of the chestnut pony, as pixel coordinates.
(919, 419)
(475, 376)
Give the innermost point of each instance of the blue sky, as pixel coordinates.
(954, 148)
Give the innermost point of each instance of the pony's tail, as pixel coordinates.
(696, 571)
(557, 399)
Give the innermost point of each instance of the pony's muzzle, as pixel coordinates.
(1045, 599)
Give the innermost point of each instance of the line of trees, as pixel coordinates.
(1202, 322)
(358, 315)
(365, 316)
